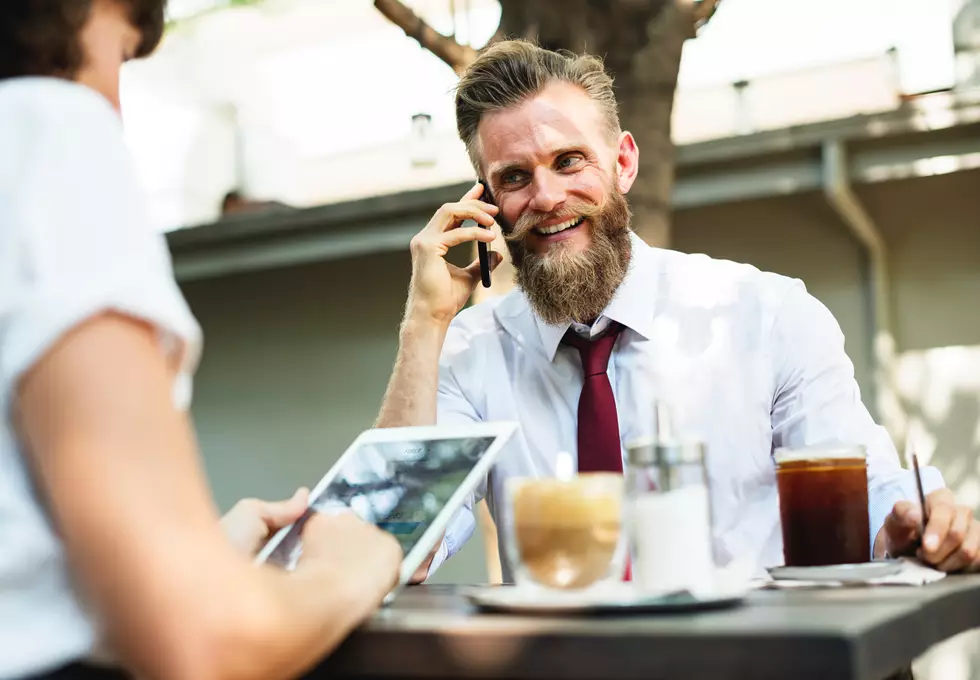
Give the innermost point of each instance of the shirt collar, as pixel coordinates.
(632, 305)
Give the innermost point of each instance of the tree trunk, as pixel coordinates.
(646, 96)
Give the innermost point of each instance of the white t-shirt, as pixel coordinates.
(74, 242)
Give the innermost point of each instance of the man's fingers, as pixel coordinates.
(472, 270)
(907, 513)
(934, 547)
(902, 528)
(464, 234)
(942, 496)
(423, 570)
(475, 192)
(451, 215)
(958, 528)
(941, 505)
(966, 554)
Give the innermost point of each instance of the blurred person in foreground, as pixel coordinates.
(110, 537)
(754, 360)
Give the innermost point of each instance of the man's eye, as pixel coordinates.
(566, 162)
(511, 178)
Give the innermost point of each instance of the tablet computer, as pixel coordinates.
(408, 481)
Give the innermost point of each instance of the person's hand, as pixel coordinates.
(423, 570)
(439, 289)
(351, 545)
(952, 537)
(251, 521)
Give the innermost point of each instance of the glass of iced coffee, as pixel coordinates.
(566, 534)
(823, 505)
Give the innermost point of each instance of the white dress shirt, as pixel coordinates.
(748, 360)
(74, 242)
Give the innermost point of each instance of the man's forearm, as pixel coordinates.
(411, 395)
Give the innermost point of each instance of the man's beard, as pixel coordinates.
(563, 285)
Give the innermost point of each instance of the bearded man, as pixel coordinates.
(601, 324)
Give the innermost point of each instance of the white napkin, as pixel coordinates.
(913, 573)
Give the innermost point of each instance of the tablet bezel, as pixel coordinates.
(501, 431)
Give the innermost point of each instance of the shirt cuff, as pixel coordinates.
(882, 497)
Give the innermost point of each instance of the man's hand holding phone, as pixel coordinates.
(439, 289)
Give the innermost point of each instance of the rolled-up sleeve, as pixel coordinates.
(817, 401)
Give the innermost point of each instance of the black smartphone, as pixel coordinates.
(482, 247)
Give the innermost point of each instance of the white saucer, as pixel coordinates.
(845, 573)
(619, 598)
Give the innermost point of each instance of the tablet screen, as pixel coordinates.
(399, 486)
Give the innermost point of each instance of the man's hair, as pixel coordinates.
(41, 37)
(509, 72)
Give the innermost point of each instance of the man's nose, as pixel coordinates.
(548, 192)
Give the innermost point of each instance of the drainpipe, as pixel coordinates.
(837, 188)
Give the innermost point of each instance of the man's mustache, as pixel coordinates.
(530, 220)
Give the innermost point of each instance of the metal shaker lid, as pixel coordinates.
(663, 447)
(652, 451)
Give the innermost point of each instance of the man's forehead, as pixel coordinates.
(559, 117)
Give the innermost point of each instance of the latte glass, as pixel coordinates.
(566, 534)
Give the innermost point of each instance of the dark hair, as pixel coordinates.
(41, 37)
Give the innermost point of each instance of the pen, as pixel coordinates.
(922, 496)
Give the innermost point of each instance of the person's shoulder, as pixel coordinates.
(56, 102)
(57, 119)
(706, 280)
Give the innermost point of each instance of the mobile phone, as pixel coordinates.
(482, 247)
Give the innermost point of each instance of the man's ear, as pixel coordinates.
(627, 162)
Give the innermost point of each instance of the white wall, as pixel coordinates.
(295, 366)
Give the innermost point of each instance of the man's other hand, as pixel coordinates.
(952, 538)
(422, 572)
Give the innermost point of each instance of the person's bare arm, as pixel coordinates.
(118, 465)
(437, 292)
(411, 395)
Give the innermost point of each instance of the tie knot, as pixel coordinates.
(595, 353)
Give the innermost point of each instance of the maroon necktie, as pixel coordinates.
(598, 426)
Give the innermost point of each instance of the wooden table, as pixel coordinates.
(859, 634)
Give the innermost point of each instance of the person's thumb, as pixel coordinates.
(473, 270)
(277, 514)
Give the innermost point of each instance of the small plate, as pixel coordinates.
(847, 573)
(620, 598)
